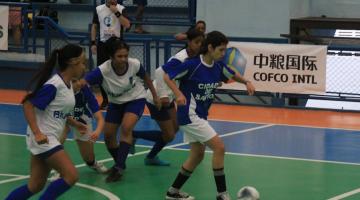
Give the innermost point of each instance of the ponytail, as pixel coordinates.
(60, 58)
(42, 75)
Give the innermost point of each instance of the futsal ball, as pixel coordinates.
(235, 60)
(248, 193)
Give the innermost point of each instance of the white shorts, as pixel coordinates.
(198, 131)
(36, 148)
(83, 137)
(162, 89)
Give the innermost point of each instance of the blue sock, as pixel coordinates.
(158, 146)
(20, 193)
(113, 152)
(55, 189)
(122, 155)
(148, 135)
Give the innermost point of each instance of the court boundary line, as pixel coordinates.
(172, 147)
(276, 157)
(101, 191)
(346, 194)
(248, 122)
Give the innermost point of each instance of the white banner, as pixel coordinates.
(4, 20)
(283, 68)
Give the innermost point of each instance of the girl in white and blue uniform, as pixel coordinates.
(86, 109)
(46, 111)
(122, 79)
(166, 116)
(199, 77)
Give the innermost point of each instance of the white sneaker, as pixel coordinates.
(223, 196)
(179, 196)
(99, 167)
(54, 175)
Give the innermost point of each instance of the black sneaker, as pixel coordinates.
(179, 196)
(114, 175)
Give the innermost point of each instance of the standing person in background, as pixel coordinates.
(46, 110)
(199, 77)
(200, 26)
(123, 80)
(110, 19)
(166, 116)
(139, 15)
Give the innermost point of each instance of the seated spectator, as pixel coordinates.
(200, 26)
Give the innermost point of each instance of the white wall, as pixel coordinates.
(251, 18)
(336, 8)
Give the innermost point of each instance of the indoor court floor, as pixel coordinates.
(287, 154)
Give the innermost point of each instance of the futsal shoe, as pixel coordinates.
(114, 175)
(223, 196)
(179, 196)
(54, 175)
(156, 161)
(99, 167)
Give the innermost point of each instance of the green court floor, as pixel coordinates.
(275, 178)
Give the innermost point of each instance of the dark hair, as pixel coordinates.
(194, 33)
(113, 44)
(215, 39)
(58, 56)
(200, 22)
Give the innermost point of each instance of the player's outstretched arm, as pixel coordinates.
(249, 86)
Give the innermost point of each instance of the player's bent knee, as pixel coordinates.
(220, 149)
(168, 137)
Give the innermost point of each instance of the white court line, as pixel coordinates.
(105, 193)
(277, 157)
(18, 177)
(172, 147)
(347, 194)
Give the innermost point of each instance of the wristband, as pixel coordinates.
(93, 42)
(117, 14)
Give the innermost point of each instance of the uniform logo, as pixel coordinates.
(60, 115)
(107, 21)
(207, 91)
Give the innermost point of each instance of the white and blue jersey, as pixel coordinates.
(85, 106)
(85, 103)
(161, 87)
(120, 88)
(53, 103)
(198, 82)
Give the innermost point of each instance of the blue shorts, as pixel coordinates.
(115, 112)
(140, 2)
(162, 114)
(45, 155)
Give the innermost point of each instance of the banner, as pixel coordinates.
(283, 68)
(4, 20)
